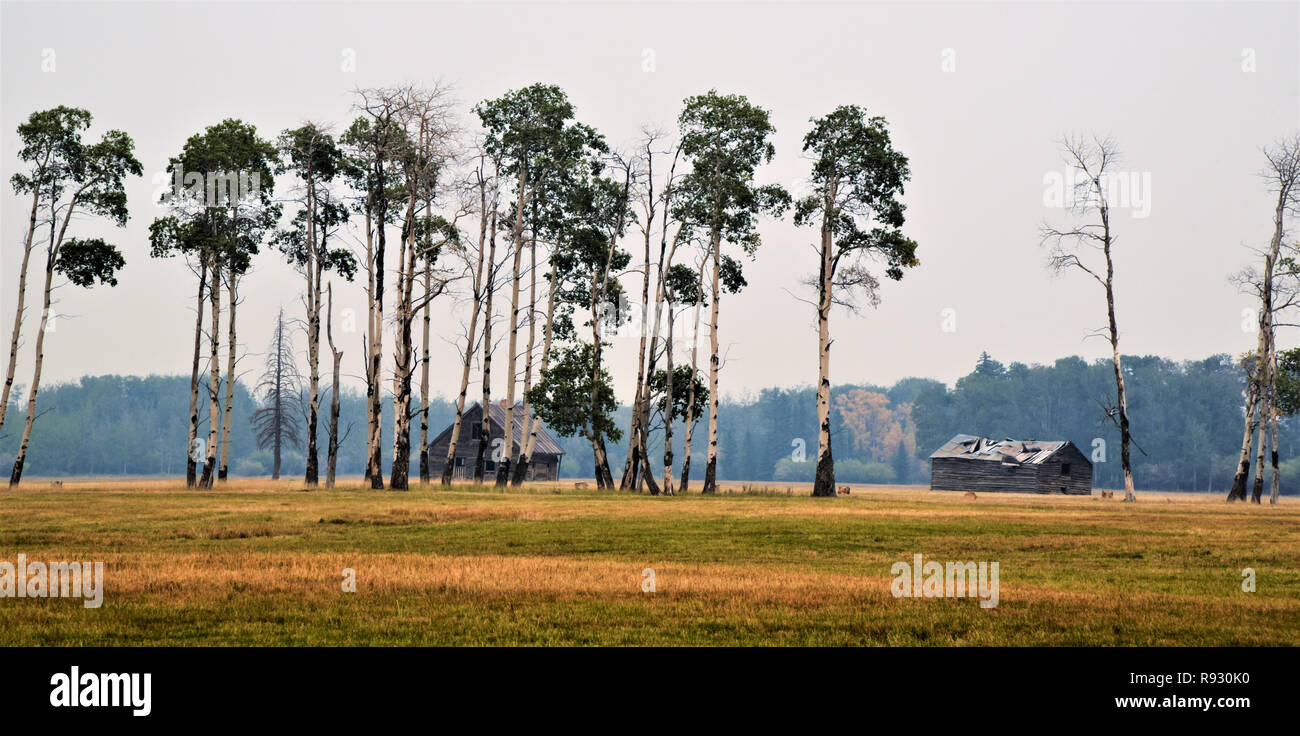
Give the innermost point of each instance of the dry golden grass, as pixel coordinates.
(260, 562)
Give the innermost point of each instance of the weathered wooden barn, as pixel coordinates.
(546, 455)
(979, 464)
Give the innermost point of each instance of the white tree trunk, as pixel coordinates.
(711, 468)
(227, 411)
(824, 480)
(191, 471)
(214, 376)
(28, 245)
(503, 467)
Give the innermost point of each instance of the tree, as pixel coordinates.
(482, 272)
(279, 420)
(312, 155)
(585, 262)
(652, 201)
(374, 142)
(52, 148)
(671, 403)
(562, 397)
(425, 117)
(1283, 176)
(95, 183)
(522, 127)
(878, 428)
(485, 426)
(169, 236)
(221, 207)
(556, 176)
(726, 139)
(555, 163)
(857, 177)
(678, 284)
(1095, 159)
(699, 299)
(332, 452)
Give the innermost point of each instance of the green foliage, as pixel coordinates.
(726, 139)
(1288, 381)
(563, 397)
(232, 219)
(524, 124)
(857, 177)
(128, 425)
(683, 285)
(681, 392)
(370, 166)
(85, 261)
(61, 162)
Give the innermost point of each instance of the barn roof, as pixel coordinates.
(1012, 452)
(546, 444)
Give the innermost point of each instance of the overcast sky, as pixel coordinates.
(976, 95)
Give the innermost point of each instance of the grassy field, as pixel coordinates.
(262, 563)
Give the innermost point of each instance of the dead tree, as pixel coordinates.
(279, 420)
(1095, 158)
(1283, 176)
(332, 452)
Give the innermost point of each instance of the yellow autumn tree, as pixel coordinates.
(876, 427)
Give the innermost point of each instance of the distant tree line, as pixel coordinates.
(1186, 442)
(122, 425)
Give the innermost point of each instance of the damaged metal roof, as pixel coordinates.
(1008, 451)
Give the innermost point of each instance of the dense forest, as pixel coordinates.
(123, 425)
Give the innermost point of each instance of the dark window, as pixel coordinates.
(476, 431)
(489, 465)
(1065, 468)
(460, 462)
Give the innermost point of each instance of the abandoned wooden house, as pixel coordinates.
(546, 455)
(970, 463)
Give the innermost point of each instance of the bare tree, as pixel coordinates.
(485, 428)
(1095, 158)
(279, 420)
(427, 119)
(376, 140)
(332, 452)
(1283, 177)
(653, 202)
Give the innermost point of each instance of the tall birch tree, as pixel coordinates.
(726, 139)
(95, 185)
(51, 147)
(311, 153)
(856, 180)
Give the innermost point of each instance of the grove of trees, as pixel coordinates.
(550, 240)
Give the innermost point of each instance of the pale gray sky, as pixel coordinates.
(976, 94)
